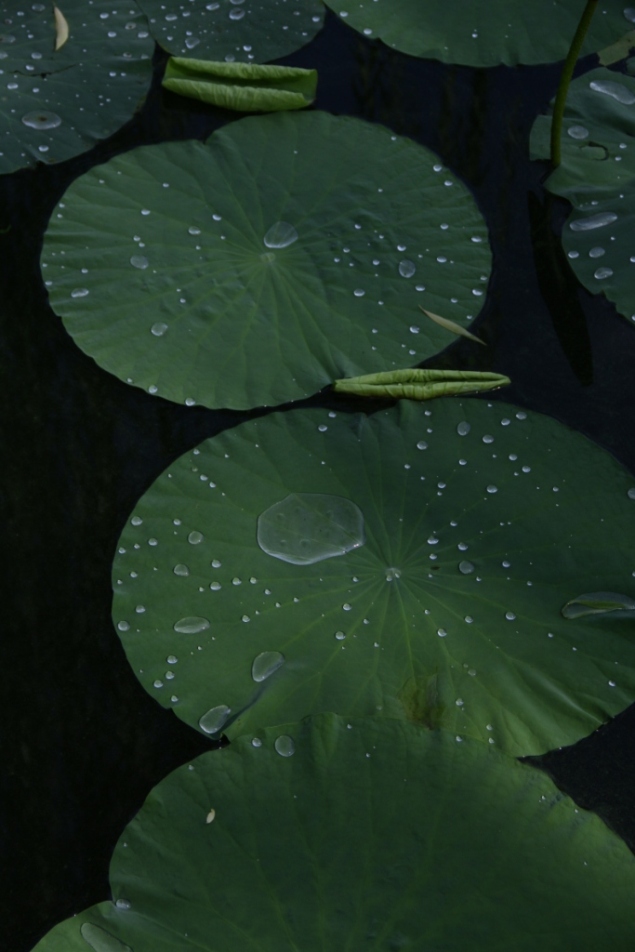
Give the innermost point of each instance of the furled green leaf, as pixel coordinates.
(420, 384)
(484, 32)
(71, 74)
(284, 253)
(599, 603)
(245, 87)
(597, 175)
(363, 834)
(256, 31)
(443, 605)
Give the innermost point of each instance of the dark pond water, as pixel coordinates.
(81, 742)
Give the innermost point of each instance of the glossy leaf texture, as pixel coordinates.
(241, 86)
(242, 273)
(447, 845)
(256, 31)
(597, 175)
(441, 605)
(66, 87)
(485, 32)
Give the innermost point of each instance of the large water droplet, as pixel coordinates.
(466, 568)
(578, 132)
(194, 538)
(305, 528)
(265, 664)
(181, 569)
(284, 745)
(139, 261)
(615, 90)
(463, 428)
(159, 329)
(599, 603)
(392, 573)
(629, 14)
(214, 719)
(100, 940)
(191, 625)
(39, 119)
(598, 220)
(406, 268)
(280, 235)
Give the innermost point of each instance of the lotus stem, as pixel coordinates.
(565, 80)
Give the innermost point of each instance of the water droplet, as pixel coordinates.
(191, 42)
(392, 573)
(284, 745)
(510, 616)
(139, 261)
(578, 132)
(123, 626)
(159, 329)
(256, 742)
(214, 719)
(492, 489)
(629, 14)
(359, 292)
(122, 904)
(171, 659)
(280, 235)
(466, 568)
(79, 292)
(598, 220)
(181, 569)
(305, 528)
(596, 252)
(100, 940)
(193, 230)
(406, 268)
(422, 445)
(191, 625)
(631, 493)
(265, 664)
(194, 538)
(340, 635)
(441, 632)
(598, 603)
(136, 520)
(236, 14)
(463, 428)
(39, 119)
(615, 90)
(603, 273)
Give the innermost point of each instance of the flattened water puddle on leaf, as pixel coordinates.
(305, 528)
(215, 719)
(100, 940)
(265, 664)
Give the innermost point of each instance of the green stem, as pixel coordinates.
(565, 79)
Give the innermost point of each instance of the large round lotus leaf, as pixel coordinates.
(443, 605)
(484, 32)
(55, 104)
(254, 31)
(370, 835)
(597, 175)
(260, 266)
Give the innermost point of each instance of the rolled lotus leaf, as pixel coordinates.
(244, 87)
(418, 384)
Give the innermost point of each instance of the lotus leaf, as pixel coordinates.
(443, 605)
(448, 845)
(485, 32)
(256, 31)
(241, 272)
(57, 103)
(245, 87)
(597, 175)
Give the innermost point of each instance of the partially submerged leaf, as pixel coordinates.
(262, 268)
(255, 32)
(245, 87)
(599, 603)
(246, 594)
(597, 175)
(483, 32)
(370, 835)
(452, 326)
(64, 91)
(61, 28)
(418, 384)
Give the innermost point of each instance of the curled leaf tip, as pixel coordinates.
(61, 28)
(452, 326)
(420, 384)
(598, 603)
